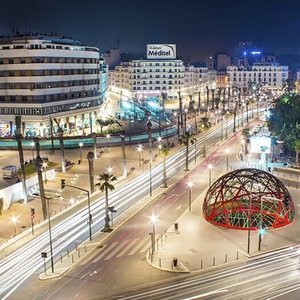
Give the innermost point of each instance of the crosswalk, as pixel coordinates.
(122, 248)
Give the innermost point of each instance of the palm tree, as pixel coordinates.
(21, 156)
(297, 150)
(186, 140)
(90, 157)
(165, 152)
(105, 185)
(205, 125)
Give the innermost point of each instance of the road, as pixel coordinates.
(268, 276)
(126, 248)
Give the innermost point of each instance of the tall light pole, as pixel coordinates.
(80, 149)
(123, 135)
(249, 223)
(108, 141)
(209, 174)
(227, 162)
(190, 184)
(45, 165)
(140, 149)
(153, 219)
(149, 129)
(159, 139)
(32, 149)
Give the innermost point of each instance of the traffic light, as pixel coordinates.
(32, 213)
(62, 184)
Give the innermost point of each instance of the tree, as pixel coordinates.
(205, 125)
(105, 122)
(187, 139)
(297, 150)
(165, 152)
(21, 156)
(105, 184)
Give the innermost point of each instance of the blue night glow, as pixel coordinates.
(255, 52)
(245, 53)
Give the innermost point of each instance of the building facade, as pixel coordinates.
(271, 75)
(49, 80)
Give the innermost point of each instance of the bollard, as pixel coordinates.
(68, 252)
(237, 255)
(72, 258)
(214, 261)
(61, 258)
(76, 246)
(226, 258)
(201, 264)
(176, 226)
(160, 262)
(175, 261)
(78, 252)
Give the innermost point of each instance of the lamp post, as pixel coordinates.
(226, 129)
(80, 149)
(227, 152)
(209, 174)
(140, 149)
(32, 149)
(45, 165)
(122, 135)
(178, 123)
(14, 221)
(190, 184)
(153, 219)
(249, 223)
(149, 129)
(159, 139)
(185, 116)
(108, 141)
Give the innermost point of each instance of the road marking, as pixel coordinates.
(116, 250)
(105, 252)
(131, 244)
(140, 244)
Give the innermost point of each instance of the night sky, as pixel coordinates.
(198, 27)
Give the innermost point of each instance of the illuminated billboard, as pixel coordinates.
(161, 51)
(260, 144)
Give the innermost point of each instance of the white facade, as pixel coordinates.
(48, 76)
(271, 75)
(148, 78)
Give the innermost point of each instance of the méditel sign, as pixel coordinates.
(163, 51)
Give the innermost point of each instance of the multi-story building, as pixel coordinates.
(222, 80)
(271, 75)
(46, 80)
(112, 58)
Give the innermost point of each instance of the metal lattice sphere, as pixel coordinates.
(248, 194)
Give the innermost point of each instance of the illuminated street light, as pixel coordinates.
(109, 170)
(153, 220)
(80, 149)
(190, 184)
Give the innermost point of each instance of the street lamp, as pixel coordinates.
(109, 170)
(209, 176)
(149, 129)
(159, 139)
(227, 152)
(45, 165)
(14, 220)
(140, 149)
(32, 149)
(108, 141)
(153, 220)
(80, 149)
(190, 184)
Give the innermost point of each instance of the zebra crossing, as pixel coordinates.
(122, 248)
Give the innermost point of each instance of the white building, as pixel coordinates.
(47, 79)
(271, 75)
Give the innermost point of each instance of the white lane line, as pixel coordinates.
(105, 252)
(140, 244)
(131, 244)
(116, 250)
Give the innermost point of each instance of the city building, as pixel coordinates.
(222, 80)
(160, 72)
(271, 75)
(219, 62)
(247, 53)
(49, 80)
(112, 58)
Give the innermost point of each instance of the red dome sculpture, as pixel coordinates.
(248, 194)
